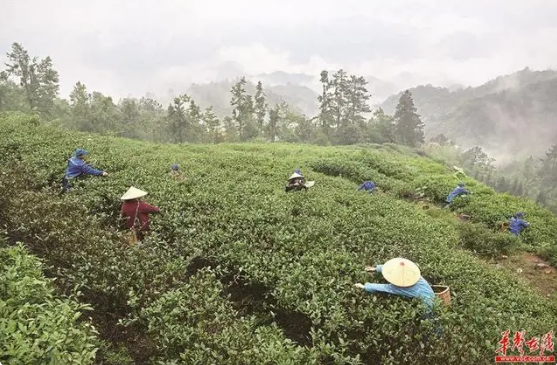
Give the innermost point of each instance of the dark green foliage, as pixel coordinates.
(485, 241)
(36, 326)
(409, 127)
(243, 283)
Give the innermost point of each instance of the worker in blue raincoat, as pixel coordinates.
(404, 279)
(459, 190)
(517, 224)
(78, 167)
(367, 186)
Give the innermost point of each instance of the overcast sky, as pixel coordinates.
(123, 47)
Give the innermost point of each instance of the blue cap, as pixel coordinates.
(520, 214)
(298, 171)
(175, 167)
(81, 152)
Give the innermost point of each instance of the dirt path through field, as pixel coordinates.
(534, 270)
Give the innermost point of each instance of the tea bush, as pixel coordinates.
(37, 327)
(237, 271)
(485, 242)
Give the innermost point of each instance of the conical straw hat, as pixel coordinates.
(133, 193)
(401, 272)
(294, 176)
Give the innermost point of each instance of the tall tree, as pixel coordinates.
(260, 106)
(325, 104)
(357, 100)
(340, 91)
(213, 125)
(305, 130)
(37, 78)
(80, 108)
(548, 171)
(274, 123)
(242, 112)
(153, 120)
(381, 128)
(476, 157)
(130, 118)
(342, 104)
(184, 117)
(408, 123)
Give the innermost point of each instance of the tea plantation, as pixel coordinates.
(237, 271)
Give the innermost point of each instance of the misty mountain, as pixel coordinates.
(284, 78)
(512, 114)
(380, 89)
(301, 99)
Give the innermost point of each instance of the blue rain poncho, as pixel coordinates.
(367, 186)
(517, 224)
(421, 290)
(459, 190)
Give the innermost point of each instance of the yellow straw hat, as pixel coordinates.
(133, 193)
(401, 272)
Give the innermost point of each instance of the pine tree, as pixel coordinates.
(260, 106)
(213, 125)
(409, 126)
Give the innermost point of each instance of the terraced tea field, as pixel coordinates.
(237, 271)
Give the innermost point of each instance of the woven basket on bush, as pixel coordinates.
(443, 292)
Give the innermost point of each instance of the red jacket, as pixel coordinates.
(129, 208)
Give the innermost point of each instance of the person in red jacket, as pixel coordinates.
(137, 211)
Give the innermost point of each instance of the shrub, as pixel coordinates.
(36, 327)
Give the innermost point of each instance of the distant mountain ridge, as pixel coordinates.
(301, 99)
(512, 114)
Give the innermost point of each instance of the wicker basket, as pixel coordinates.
(443, 292)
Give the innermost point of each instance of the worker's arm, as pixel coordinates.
(86, 169)
(361, 187)
(384, 288)
(148, 208)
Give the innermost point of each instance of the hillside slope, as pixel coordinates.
(239, 272)
(508, 115)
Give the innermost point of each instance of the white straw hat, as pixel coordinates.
(401, 272)
(133, 193)
(294, 176)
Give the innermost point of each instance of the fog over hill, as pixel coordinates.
(511, 115)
